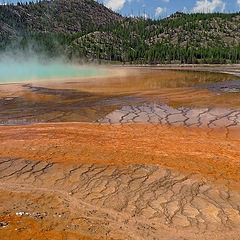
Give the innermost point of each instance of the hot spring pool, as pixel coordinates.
(122, 94)
(11, 71)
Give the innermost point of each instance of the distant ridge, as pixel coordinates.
(86, 30)
(65, 16)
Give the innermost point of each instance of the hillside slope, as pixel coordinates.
(86, 30)
(60, 16)
(185, 38)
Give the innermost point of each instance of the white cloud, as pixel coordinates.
(160, 11)
(223, 7)
(209, 6)
(115, 5)
(184, 10)
(145, 16)
(238, 2)
(166, 1)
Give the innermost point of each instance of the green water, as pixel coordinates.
(11, 71)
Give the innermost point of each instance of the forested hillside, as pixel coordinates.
(60, 17)
(182, 38)
(86, 30)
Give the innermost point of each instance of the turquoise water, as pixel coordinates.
(11, 71)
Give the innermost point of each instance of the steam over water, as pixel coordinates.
(13, 71)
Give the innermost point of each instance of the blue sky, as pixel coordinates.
(162, 8)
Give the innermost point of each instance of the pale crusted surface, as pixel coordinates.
(127, 202)
(182, 116)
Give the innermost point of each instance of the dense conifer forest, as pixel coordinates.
(84, 30)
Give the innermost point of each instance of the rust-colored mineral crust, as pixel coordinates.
(212, 152)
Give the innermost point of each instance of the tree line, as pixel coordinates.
(180, 38)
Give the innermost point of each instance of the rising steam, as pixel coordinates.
(18, 67)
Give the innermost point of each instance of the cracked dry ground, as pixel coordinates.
(100, 181)
(164, 170)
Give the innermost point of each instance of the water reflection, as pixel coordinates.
(90, 99)
(145, 80)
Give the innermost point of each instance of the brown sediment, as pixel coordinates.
(114, 201)
(25, 228)
(41, 221)
(194, 98)
(213, 152)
